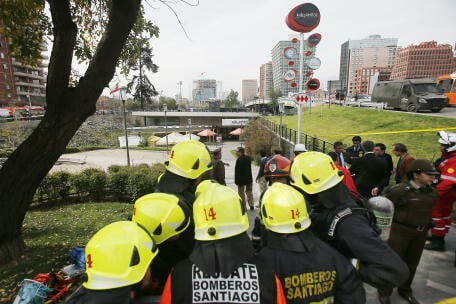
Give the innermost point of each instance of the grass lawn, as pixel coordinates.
(50, 234)
(341, 123)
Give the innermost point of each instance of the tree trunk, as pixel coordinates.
(67, 109)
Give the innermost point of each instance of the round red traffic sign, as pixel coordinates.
(303, 18)
(314, 39)
(313, 84)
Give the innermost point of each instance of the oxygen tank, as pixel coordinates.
(383, 210)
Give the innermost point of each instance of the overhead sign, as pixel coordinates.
(234, 122)
(303, 18)
(313, 84)
(302, 98)
(313, 39)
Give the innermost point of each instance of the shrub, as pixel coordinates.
(114, 168)
(118, 181)
(143, 179)
(91, 181)
(55, 186)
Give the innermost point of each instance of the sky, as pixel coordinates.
(229, 39)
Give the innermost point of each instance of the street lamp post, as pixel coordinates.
(123, 92)
(165, 108)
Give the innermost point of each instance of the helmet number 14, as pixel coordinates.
(210, 214)
(295, 213)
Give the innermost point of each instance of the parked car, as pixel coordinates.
(361, 101)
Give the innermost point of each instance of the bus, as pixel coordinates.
(447, 83)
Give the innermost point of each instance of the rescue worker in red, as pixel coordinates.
(310, 270)
(221, 267)
(118, 257)
(189, 163)
(341, 222)
(446, 189)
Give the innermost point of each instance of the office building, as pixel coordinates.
(266, 83)
(249, 90)
(425, 60)
(373, 51)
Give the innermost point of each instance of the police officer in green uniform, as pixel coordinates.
(413, 200)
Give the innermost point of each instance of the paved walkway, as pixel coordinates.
(435, 279)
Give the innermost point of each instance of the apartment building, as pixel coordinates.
(20, 84)
(425, 60)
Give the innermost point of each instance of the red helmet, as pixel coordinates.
(278, 166)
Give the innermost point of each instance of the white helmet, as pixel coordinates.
(300, 148)
(448, 139)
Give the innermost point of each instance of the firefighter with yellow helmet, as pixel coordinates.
(189, 163)
(162, 215)
(294, 252)
(118, 257)
(276, 170)
(221, 267)
(340, 221)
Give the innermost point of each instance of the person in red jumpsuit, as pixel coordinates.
(446, 188)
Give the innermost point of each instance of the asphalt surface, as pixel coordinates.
(434, 281)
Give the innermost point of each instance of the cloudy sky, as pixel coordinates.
(230, 39)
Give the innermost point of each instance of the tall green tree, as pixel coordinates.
(140, 86)
(102, 33)
(231, 100)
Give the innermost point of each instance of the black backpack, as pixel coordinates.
(362, 209)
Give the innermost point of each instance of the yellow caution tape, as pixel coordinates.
(400, 131)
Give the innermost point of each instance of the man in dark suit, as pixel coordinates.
(379, 151)
(356, 151)
(342, 156)
(369, 172)
(243, 176)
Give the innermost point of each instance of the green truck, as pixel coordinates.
(410, 94)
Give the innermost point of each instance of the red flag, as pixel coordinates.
(115, 89)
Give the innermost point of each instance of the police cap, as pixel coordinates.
(422, 165)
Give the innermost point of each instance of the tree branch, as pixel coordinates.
(101, 68)
(59, 68)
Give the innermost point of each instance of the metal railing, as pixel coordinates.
(312, 143)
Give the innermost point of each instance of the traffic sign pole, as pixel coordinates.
(301, 68)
